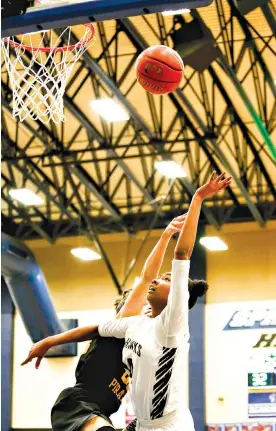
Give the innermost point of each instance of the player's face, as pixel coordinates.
(159, 290)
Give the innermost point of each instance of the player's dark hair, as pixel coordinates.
(121, 300)
(197, 288)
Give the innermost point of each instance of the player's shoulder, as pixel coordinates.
(136, 321)
(147, 321)
(136, 318)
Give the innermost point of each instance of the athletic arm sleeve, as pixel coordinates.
(172, 324)
(116, 327)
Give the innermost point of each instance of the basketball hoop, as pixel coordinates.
(38, 66)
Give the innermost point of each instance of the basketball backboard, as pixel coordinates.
(49, 14)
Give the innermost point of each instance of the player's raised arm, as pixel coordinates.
(40, 348)
(174, 317)
(137, 298)
(186, 240)
(116, 327)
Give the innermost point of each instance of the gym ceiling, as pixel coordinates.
(97, 177)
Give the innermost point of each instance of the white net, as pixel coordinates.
(38, 66)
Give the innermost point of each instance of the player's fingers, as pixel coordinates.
(225, 184)
(226, 181)
(220, 177)
(177, 223)
(181, 217)
(224, 178)
(176, 228)
(213, 176)
(27, 360)
(38, 363)
(178, 219)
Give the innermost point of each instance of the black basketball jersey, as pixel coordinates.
(101, 372)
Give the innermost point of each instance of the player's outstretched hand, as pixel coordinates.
(215, 184)
(38, 351)
(176, 224)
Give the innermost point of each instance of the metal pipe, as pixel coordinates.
(28, 289)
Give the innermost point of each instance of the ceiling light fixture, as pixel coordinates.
(26, 197)
(109, 110)
(175, 12)
(213, 243)
(159, 198)
(85, 253)
(170, 169)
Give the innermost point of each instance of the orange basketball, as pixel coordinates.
(159, 69)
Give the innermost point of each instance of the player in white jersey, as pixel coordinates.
(156, 348)
(160, 342)
(101, 377)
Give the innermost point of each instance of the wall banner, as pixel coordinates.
(262, 378)
(252, 319)
(262, 404)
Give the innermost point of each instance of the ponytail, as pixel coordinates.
(197, 288)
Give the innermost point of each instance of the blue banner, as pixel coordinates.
(252, 319)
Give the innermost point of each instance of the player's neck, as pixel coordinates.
(155, 311)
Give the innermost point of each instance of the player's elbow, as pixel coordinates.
(94, 332)
(181, 254)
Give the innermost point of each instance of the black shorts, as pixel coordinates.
(73, 409)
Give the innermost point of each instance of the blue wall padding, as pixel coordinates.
(196, 357)
(28, 289)
(7, 313)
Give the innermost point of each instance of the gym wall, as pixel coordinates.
(243, 278)
(81, 290)
(75, 284)
(247, 270)
(239, 277)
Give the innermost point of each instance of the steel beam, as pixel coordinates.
(105, 145)
(247, 102)
(36, 227)
(141, 44)
(232, 214)
(249, 106)
(244, 130)
(78, 170)
(269, 12)
(12, 184)
(181, 95)
(42, 187)
(92, 65)
(219, 153)
(252, 44)
(92, 231)
(46, 180)
(8, 225)
(94, 189)
(149, 230)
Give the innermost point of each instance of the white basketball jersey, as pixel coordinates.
(155, 352)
